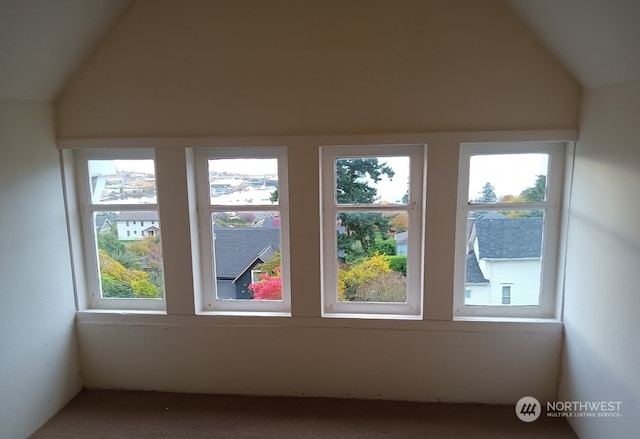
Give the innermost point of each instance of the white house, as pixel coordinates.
(504, 261)
(137, 224)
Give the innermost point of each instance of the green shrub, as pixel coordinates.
(398, 263)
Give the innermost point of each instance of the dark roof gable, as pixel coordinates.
(474, 274)
(509, 238)
(237, 249)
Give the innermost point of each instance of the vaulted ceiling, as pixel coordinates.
(43, 42)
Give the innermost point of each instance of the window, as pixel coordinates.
(506, 295)
(243, 222)
(372, 222)
(124, 269)
(507, 228)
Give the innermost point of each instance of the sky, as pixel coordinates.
(508, 173)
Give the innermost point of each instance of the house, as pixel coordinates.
(241, 250)
(401, 243)
(121, 74)
(137, 224)
(104, 222)
(503, 265)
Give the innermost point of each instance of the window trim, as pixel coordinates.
(547, 306)
(415, 209)
(208, 296)
(88, 234)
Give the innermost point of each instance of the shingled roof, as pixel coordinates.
(238, 248)
(138, 215)
(474, 274)
(509, 238)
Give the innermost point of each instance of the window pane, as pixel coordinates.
(130, 257)
(243, 181)
(372, 256)
(372, 180)
(508, 178)
(122, 181)
(247, 255)
(504, 256)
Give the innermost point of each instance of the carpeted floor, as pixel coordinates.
(126, 414)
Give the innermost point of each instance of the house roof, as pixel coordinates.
(474, 274)
(237, 249)
(101, 219)
(401, 238)
(509, 238)
(138, 215)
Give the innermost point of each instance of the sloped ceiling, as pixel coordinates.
(42, 42)
(598, 41)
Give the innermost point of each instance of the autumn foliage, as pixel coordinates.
(268, 287)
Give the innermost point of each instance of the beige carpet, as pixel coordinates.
(127, 414)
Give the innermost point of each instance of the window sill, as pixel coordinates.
(209, 320)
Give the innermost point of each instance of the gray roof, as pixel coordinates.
(509, 238)
(401, 238)
(236, 249)
(474, 274)
(138, 215)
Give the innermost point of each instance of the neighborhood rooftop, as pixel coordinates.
(241, 248)
(138, 215)
(509, 238)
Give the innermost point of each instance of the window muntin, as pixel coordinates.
(508, 219)
(124, 258)
(242, 197)
(372, 229)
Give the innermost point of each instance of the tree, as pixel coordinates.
(268, 287)
(488, 194)
(357, 274)
(383, 246)
(274, 196)
(116, 249)
(532, 194)
(120, 281)
(351, 179)
(270, 266)
(352, 187)
(399, 222)
(538, 191)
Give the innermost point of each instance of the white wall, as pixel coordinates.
(38, 352)
(202, 68)
(285, 67)
(601, 359)
(420, 361)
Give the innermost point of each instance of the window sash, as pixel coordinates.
(208, 295)
(551, 214)
(89, 238)
(331, 306)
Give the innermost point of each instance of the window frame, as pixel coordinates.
(552, 206)
(415, 208)
(87, 209)
(209, 302)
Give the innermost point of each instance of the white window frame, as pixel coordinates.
(89, 239)
(546, 307)
(209, 300)
(331, 306)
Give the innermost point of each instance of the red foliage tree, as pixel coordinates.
(268, 287)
